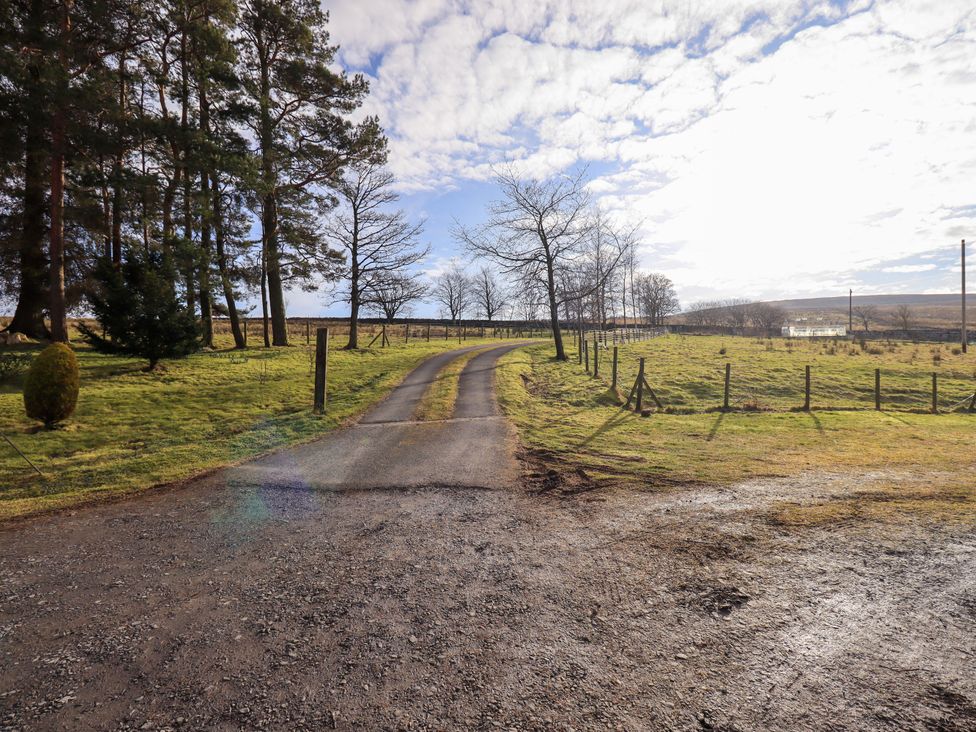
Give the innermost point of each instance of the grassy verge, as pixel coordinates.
(568, 417)
(438, 401)
(133, 430)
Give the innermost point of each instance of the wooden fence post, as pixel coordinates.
(640, 386)
(728, 377)
(321, 368)
(877, 389)
(613, 385)
(245, 331)
(308, 331)
(596, 359)
(935, 393)
(406, 333)
(383, 342)
(586, 355)
(806, 398)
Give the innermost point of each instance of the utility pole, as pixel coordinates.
(850, 311)
(965, 339)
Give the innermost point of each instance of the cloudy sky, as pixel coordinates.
(770, 147)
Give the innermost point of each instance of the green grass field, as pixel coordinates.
(687, 372)
(575, 421)
(134, 429)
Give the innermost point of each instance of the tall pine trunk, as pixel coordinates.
(29, 314)
(58, 307)
(206, 303)
(206, 308)
(276, 295)
(269, 218)
(235, 320)
(117, 173)
(187, 253)
(264, 294)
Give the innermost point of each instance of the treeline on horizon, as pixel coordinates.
(165, 161)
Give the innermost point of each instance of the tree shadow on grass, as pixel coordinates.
(609, 424)
(715, 427)
(894, 416)
(110, 370)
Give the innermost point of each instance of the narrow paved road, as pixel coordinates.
(386, 449)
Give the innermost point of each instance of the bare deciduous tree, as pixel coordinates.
(704, 312)
(865, 313)
(735, 312)
(529, 300)
(488, 294)
(452, 291)
(905, 317)
(764, 315)
(394, 293)
(378, 242)
(535, 229)
(656, 297)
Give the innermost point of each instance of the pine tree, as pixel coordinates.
(140, 310)
(300, 122)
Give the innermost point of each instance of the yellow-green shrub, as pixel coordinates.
(51, 386)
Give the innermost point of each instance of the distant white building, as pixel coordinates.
(814, 331)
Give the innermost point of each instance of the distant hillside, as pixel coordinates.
(880, 301)
(926, 311)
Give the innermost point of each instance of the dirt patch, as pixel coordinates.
(556, 473)
(546, 474)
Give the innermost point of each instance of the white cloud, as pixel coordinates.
(908, 268)
(763, 173)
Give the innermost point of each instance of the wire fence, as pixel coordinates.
(302, 330)
(783, 375)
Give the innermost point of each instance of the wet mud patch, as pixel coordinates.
(717, 601)
(546, 473)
